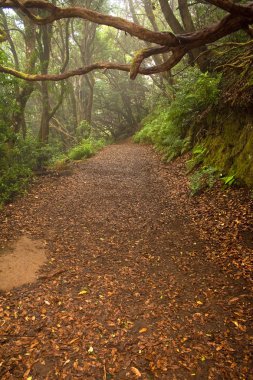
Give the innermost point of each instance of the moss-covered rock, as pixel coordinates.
(229, 145)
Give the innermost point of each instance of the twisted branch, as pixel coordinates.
(239, 17)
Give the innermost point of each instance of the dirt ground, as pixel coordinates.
(20, 263)
(141, 281)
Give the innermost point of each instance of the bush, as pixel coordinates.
(168, 125)
(14, 181)
(83, 130)
(198, 155)
(202, 179)
(86, 149)
(18, 161)
(33, 154)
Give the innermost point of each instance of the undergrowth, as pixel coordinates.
(197, 158)
(87, 148)
(20, 161)
(204, 176)
(202, 179)
(167, 126)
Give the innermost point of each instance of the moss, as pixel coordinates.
(230, 149)
(243, 164)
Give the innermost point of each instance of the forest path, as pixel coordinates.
(127, 291)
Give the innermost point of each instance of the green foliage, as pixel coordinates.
(229, 180)
(206, 177)
(14, 174)
(59, 163)
(7, 94)
(202, 179)
(198, 155)
(83, 130)
(195, 92)
(168, 125)
(31, 153)
(18, 161)
(13, 181)
(85, 149)
(20, 158)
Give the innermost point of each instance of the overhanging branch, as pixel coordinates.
(245, 10)
(57, 13)
(239, 17)
(176, 56)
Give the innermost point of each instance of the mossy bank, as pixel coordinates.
(211, 114)
(229, 145)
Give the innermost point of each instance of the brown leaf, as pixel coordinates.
(136, 372)
(143, 330)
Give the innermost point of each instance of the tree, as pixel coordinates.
(240, 16)
(187, 26)
(156, 58)
(23, 90)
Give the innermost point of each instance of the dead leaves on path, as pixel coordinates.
(128, 292)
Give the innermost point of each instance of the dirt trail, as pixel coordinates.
(20, 263)
(127, 290)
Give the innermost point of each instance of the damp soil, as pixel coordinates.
(142, 281)
(20, 263)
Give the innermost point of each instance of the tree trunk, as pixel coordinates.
(164, 77)
(45, 116)
(23, 90)
(18, 117)
(197, 54)
(44, 39)
(188, 26)
(89, 98)
(186, 16)
(73, 106)
(171, 18)
(150, 14)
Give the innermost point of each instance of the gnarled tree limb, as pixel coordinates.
(57, 13)
(245, 10)
(239, 17)
(143, 54)
(176, 56)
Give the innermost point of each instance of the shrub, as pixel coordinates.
(85, 149)
(33, 154)
(83, 130)
(198, 155)
(229, 180)
(14, 181)
(60, 163)
(18, 161)
(202, 179)
(167, 126)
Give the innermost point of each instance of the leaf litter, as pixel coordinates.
(142, 281)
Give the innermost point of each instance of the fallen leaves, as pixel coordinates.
(143, 330)
(82, 292)
(131, 293)
(136, 372)
(239, 326)
(90, 350)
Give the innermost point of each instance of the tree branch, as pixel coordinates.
(9, 39)
(178, 45)
(143, 54)
(176, 56)
(3, 36)
(57, 13)
(245, 10)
